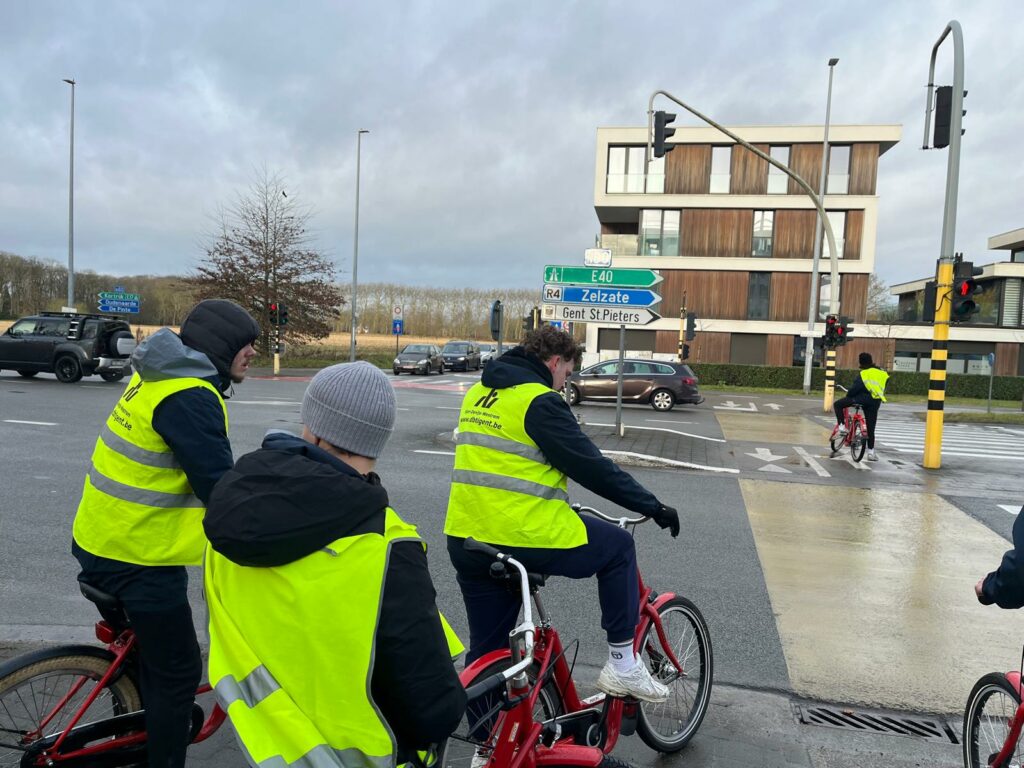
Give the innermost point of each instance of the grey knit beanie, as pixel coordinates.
(352, 407)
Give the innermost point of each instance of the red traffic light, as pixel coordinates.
(273, 307)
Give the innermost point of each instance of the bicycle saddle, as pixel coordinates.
(500, 572)
(109, 606)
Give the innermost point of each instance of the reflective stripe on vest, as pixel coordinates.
(270, 626)
(504, 490)
(137, 505)
(874, 381)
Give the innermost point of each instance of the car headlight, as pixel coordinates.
(422, 362)
(462, 359)
(397, 361)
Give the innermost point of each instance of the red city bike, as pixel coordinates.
(993, 719)
(525, 710)
(856, 436)
(79, 705)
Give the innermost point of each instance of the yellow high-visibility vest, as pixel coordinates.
(291, 652)
(504, 490)
(875, 380)
(137, 505)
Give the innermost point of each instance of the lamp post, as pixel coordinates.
(355, 248)
(812, 308)
(71, 205)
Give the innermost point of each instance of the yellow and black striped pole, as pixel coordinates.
(937, 378)
(830, 377)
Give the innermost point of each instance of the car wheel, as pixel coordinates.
(662, 400)
(574, 395)
(67, 369)
(27, 374)
(394, 371)
(112, 375)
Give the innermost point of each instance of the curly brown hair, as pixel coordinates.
(547, 342)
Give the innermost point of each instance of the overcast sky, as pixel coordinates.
(479, 166)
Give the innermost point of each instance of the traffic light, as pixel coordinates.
(843, 331)
(686, 351)
(837, 331)
(928, 310)
(691, 326)
(284, 315)
(273, 314)
(497, 311)
(662, 132)
(528, 323)
(962, 304)
(944, 116)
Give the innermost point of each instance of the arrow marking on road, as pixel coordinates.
(765, 454)
(773, 406)
(811, 461)
(1013, 509)
(729, 405)
(774, 468)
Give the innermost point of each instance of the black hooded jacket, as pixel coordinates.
(290, 499)
(551, 425)
(1005, 585)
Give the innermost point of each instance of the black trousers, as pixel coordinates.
(155, 599)
(870, 415)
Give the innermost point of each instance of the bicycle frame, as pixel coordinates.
(121, 646)
(1015, 726)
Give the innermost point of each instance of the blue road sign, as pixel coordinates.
(119, 307)
(600, 296)
(397, 327)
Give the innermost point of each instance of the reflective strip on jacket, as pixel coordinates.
(874, 381)
(504, 490)
(291, 652)
(137, 505)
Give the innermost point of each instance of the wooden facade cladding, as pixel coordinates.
(780, 350)
(706, 348)
(688, 170)
(1007, 359)
(854, 234)
(721, 232)
(853, 296)
(863, 169)
(789, 295)
(793, 237)
(805, 161)
(882, 352)
(720, 295)
(749, 173)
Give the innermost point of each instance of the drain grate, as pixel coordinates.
(875, 722)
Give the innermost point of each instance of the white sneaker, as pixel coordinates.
(842, 429)
(479, 760)
(637, 683)
(872, 456)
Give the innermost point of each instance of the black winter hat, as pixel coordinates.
(219, 328)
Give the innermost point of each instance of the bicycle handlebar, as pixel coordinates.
(840, 386)
(622, 522)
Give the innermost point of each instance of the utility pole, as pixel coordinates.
(71, 206)
(944, 281)
(355, 248)
(682, 326)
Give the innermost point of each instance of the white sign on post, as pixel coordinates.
(597, 257)
(396, 312)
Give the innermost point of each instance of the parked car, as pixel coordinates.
(461, 356)
(69, 345)
(643, 381)
(487, 351)
(419, 358)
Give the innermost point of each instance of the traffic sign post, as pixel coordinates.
(397, 327)
(617, 278)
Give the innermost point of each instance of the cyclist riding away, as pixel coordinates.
(868, 391)
(1005, 585)
(517, 445)
(326, 646)
(139, 522)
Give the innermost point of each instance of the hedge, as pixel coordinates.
(900, 382)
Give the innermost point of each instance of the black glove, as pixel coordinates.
(666, 517)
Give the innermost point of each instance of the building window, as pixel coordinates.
(825, 293)
(721, 164)
(838, 221)
(838, 170)
(762, 236)
(1017, 255)
(757, 295)
(626, 170)
(656, 176)
(778, 182)
(659, 233)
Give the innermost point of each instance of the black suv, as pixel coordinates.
(461, 355)
(68, 345)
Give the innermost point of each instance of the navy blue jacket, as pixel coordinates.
(1005, 585)
(551, 425)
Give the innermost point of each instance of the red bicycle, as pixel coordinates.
(80, 705)
(525, 710)
(993, 719)
(856, 434)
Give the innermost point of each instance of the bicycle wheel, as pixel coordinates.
(836, 441)
(35, 691)
(858, 440)
(667, 727)
(476, 730)
(987, 718)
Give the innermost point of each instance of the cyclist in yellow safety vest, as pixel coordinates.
(868, 391)
(139, 522)
(517, 446)
(326, 645)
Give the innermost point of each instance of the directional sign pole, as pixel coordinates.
(618, 393)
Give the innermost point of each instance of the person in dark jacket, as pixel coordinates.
(312, 578)
(868, 391)
(1005, 585)
(139, 522)
(517, 445)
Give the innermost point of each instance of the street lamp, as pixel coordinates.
(71, 205)
(355, 247)
(812, 308)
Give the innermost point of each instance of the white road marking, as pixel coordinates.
(811, 461)
(669, 421)
(729, 405)
(774, 468)
(33, 423)
(662, 429)
(672, 462)
(773, 406)
(765, 454)
(447, 408)
(438, 453)
(1013, 509)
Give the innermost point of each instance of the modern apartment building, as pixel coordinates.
(735, 237)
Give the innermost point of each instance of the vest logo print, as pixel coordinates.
(487, 400)
(132, 391)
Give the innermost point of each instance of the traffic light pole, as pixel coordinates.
(834, 255)
(277, 343)
(682, 326)
(940, 335)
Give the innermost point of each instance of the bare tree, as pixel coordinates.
(880, 301)
(262, 255)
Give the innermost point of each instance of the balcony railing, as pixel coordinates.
(621, 245)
